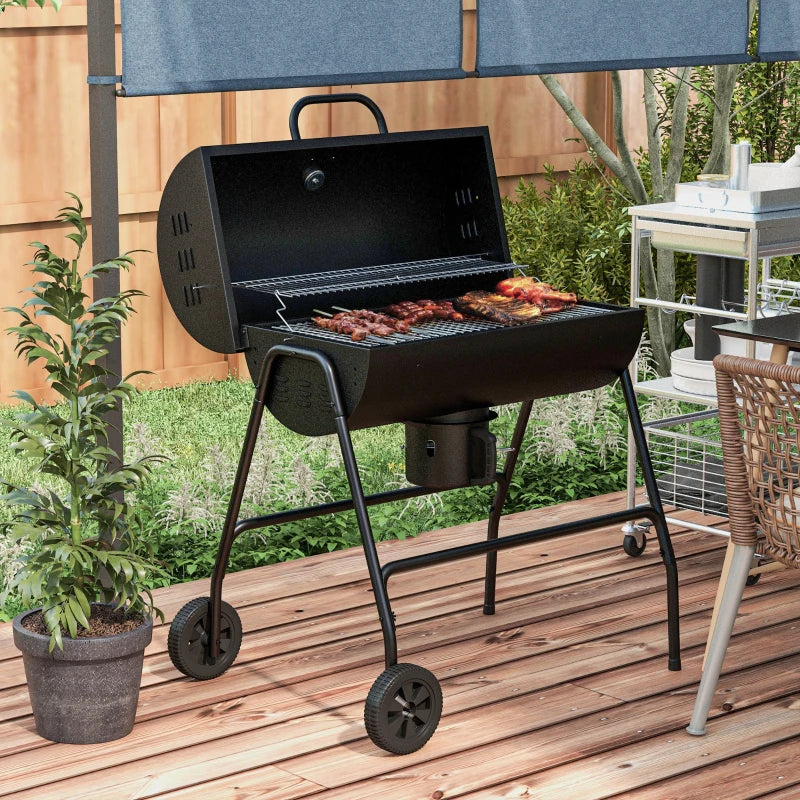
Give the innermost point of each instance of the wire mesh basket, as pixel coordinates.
(687, 460)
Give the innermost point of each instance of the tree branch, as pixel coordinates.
(677, 139)
(634, 176)
(724, 84)
(653, 135)
(590, 135)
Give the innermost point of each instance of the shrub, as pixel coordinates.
(574, 234)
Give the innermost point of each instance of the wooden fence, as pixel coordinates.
(45, 152)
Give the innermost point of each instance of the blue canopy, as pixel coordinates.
(206, 46)
(779, 30)
(523, 37)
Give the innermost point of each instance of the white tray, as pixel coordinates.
(699, 194)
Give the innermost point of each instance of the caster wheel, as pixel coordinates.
(403, 708)
(752, 580)
(187, 641)
(632, 547)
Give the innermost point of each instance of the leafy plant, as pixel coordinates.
(574, 233)
(74, 538)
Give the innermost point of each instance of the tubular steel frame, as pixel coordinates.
(379, 575)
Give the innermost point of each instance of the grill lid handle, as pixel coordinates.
(343, 97)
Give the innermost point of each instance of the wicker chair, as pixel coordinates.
(759, 418)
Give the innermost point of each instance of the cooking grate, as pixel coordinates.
(344, 280)
(435, 329)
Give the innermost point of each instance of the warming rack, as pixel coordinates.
(344, 280)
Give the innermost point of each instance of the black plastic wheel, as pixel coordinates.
(752, 580)
(403, 708)
(632, 547)
(187, 641)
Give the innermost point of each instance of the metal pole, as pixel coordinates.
(104, 180)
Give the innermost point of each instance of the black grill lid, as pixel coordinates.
(311, 218)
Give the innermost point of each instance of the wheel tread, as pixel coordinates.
(176, 629)
(377, 728)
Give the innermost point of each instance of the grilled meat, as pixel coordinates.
(361, 323)
(497, 308)
(424, 311)
(533, 291)
(365, 315)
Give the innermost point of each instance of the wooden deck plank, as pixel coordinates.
(251, 713)
(575, 740)
(279, 583)
(270, 630)
(261, 783)
(476, 656)
(316, 734)
(773, 770)
(624, 769)
(584, 739)
(563, 685)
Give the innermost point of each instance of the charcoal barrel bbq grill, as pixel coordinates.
(253, 238)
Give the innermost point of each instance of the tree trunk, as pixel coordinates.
(658, 279)
(724, 84)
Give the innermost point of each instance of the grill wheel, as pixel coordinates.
(187, 641)
(403, 708)
(632, 547)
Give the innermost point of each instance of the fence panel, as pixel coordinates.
(44, 123)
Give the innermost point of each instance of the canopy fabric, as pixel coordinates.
(779, 30)
(525, 37)
(208, 46)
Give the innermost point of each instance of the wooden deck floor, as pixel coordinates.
(564, 694)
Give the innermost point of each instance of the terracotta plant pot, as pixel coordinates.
(87, 692)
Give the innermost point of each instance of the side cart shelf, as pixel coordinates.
(686, 455)
(687, 459)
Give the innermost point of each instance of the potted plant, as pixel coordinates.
(83, 646)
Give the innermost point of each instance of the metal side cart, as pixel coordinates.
(685, 450)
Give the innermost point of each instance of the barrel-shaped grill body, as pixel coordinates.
(253, 238)
(429, 378)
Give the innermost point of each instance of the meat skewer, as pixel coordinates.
(361, 323)
(399, 318)
(424, 311)
(365, 315)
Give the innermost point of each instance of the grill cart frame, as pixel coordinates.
(588, 350)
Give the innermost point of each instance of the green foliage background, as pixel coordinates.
(571, 451)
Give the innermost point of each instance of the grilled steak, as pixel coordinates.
(542, 294)
(497, 308)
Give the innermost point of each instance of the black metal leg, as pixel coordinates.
(229, 531)
(359, 503)
(385, 613)
(665, 543)
(233, 527)
(496, 511)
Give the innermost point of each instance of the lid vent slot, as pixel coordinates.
(186, 260)
(180, 223)
(191, 295)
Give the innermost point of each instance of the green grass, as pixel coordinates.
(572, 450)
